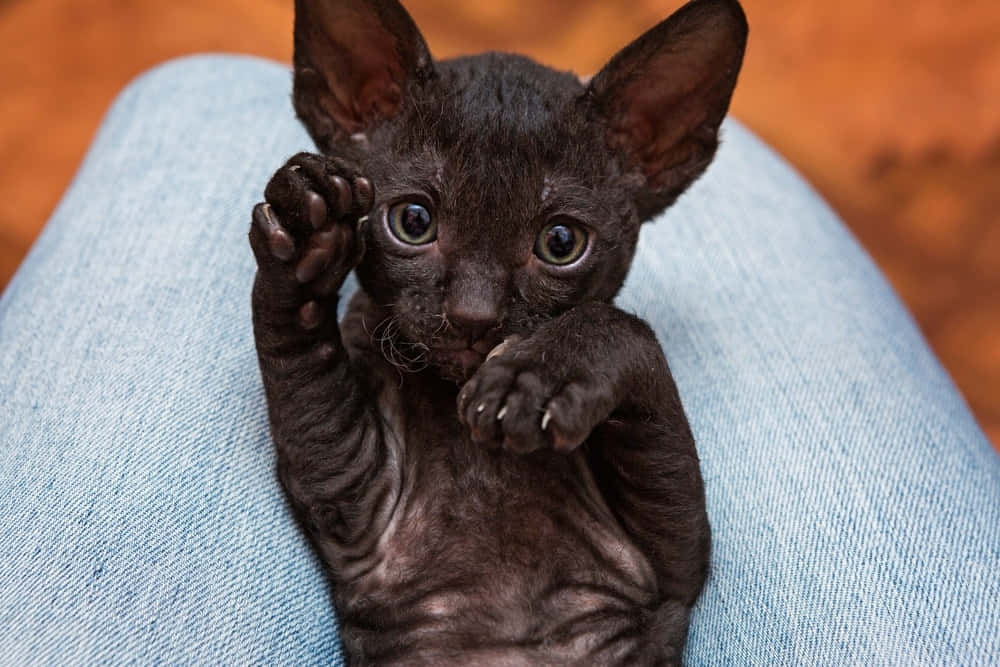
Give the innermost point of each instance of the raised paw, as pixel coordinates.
(523, 400)
(309, 233)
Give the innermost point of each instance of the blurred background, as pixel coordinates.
(891, 109)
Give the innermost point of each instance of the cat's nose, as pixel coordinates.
(475, 299)
(473, 320)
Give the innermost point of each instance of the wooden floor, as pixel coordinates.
(891, 110)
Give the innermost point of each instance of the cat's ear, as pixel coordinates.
(355, 61)
(664, 96)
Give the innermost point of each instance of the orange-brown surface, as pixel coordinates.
(891, 110)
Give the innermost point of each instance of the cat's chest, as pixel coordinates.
(490, 545)
(477, 528)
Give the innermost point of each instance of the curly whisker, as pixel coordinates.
(405, 356)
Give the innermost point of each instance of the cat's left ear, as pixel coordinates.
(355, 63)
(664, 96)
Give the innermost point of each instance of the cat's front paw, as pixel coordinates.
(524, 398)
(308, 234)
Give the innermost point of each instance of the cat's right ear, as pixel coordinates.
(355, 61)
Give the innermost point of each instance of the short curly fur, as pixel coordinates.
(543, 505)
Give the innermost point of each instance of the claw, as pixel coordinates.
(278, 240)
(497, 351)
(503, 411)
(546, 418)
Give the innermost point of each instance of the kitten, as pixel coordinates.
(490, 458)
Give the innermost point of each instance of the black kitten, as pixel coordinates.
(491, 208)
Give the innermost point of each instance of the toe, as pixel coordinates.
(278, 241)
(312, 264)
(342, 196)
(316, 208)
(521, 425)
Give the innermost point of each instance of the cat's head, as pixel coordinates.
(507, 192)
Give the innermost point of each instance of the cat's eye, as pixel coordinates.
(412, 223)
(561, 243)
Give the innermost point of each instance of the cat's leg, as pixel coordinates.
(597, 377)
(333, 460)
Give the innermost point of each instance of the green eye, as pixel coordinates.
(412, 223)
(560, 243)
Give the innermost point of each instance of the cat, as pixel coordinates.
(491, 459)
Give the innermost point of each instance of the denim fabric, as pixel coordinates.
(855, 504)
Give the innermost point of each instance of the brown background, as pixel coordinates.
(891, 109)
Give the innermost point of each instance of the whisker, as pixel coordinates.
(403, 355)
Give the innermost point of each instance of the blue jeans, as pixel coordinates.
(854, 502)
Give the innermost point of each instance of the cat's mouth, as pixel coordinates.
(460, 359)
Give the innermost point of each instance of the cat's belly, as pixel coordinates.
(500, 560)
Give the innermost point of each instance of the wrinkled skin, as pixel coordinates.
(543, 505)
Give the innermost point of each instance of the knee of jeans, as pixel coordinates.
(204, 85)
(751, 187)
